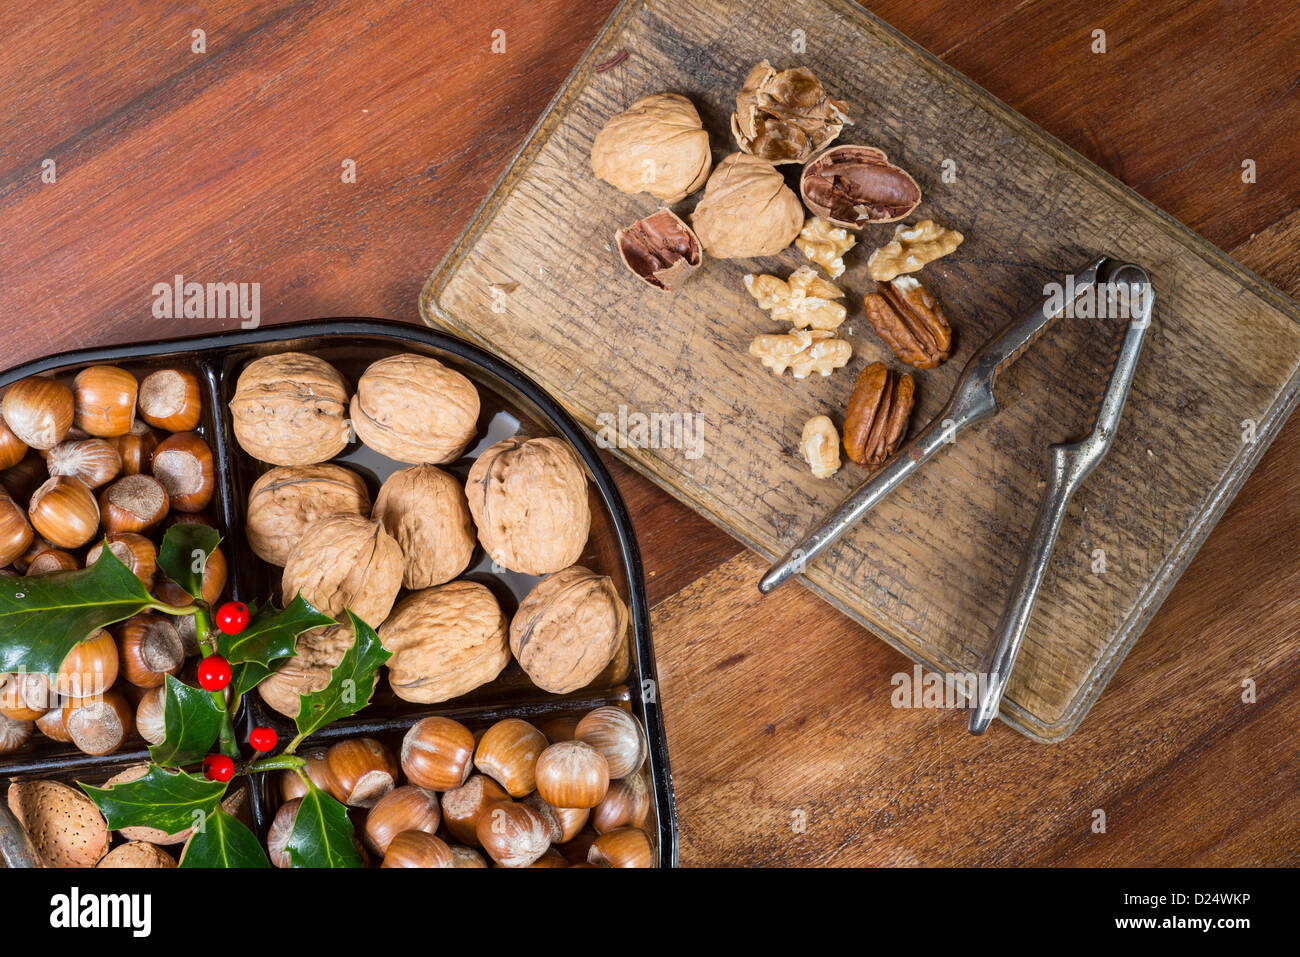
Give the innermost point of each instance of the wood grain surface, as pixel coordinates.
(225, 167)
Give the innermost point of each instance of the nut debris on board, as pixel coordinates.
(911, 321)
(786, 116)
(911, 248)
(802, 351)
(805, 300)
(825, 244)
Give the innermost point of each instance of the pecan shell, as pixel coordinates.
(910, 320)
(852, 186)
(877, 417)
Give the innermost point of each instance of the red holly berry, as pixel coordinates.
(232, 617)
(263, 739)
(218, 767)
(214, 673)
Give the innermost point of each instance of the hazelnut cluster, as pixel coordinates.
(103, 460)
(570, 792)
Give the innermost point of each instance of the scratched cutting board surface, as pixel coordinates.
(536, 279)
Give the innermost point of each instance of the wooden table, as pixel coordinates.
(227, 165)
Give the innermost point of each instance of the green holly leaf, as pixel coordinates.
(171, 801)
(271, 635)
(322, 834)
(184, 554)
(42, 618)
(351, 683)
(223, 841)
(244, 678)
(192, 722)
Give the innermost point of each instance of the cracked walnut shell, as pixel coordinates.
(290, 409)
(909, 319)
(345, 561)
(424, 509)
(805, 300)
(747, 210)
(288, 499)
(660, 249)
(657, 145)
(414, 409)
(911, 248)
(877, 417)
(825, 244)
(445, 641)
(820, 444)
(319, 652)
(568, 629)
(854, 186)
(802, 351)
(786, 116)
(529, 501)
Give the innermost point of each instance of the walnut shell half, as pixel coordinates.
(660, 250)
(657, 145)
(291, 409)
(445, 641)
(747, 210)
(345, 561)
(529, 501)
(568, 628)
(414, 409)
(287, 499)
(785, 117)
(853, 186)
(424, 509)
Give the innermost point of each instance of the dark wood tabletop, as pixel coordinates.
(135, 150)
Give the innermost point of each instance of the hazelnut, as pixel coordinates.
(150, 715)
(529, 501)
(568, 629)
(89, 669)
(285, 501)
(514, 835)
(466, 857)
(854, 186)
(345, 561)
(213, 584)
(278, 834)
(291, 783)
(171, 399)
(65, 826)
(134, 551)
(51, 725)
(747, 210)
(424, 509)
(418, 849)
(508, 753)
(463, 806)
(38, 411)
(785, 117)
(104, 401)
(552, 858)
(14, 734)
(624, 847)
(15, 531)
(559, 729)
(135, 503)
(136, 448)
(657, 145)
(445, 641)
(566, 822)
(12, 449)
(617, 735)
(99, 725)
(23, 479)
(24, 696)
(183, 464)
(149, 649)
(361, 771)
(437, 754)
(572, 774)
(64, 511)
(94, 461)
(52, 560)
(660, 249)
(626, 803)
(414, 409)
(290, 409)
(319, 652)
(407, 808)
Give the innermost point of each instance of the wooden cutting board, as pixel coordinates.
(536, 279)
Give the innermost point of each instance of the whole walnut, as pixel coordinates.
(424, 509)
(747, 210)
(568, 629)
(415, 409)
(657, 145)
(345, 561)
(291, 409)
(529, 501)
(287, 499)
(319, 653)
(445, 641)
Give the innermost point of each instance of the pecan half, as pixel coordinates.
(910, 320)
(878, 412)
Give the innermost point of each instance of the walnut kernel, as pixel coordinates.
(911, 248)
(805, 300)
(802, 351)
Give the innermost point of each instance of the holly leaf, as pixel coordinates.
(351, 683)
(192, 722)
(44, 617)
(184, 553)
(244, 678)
(223, 841)
(271, 635)
(322, 834)
(171, 801)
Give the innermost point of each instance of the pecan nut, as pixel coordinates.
(878, 412)
(852, 186)
(911, 321)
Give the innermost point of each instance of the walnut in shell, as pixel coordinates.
(786, 116)
(345, 561)
(805, 300)
(803, 351)
(529, 501)
(414, 409)
(657, 145)
(291, 409)
(660, 249)
(568, 629)
(318, 653)
(287, 499)
(445, 641)
(424, 509)
(747, 210)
